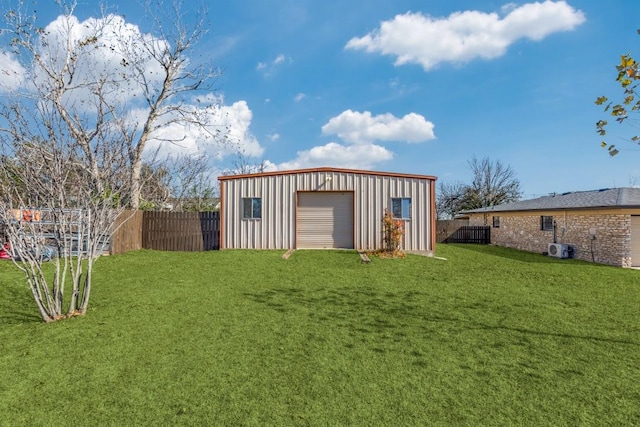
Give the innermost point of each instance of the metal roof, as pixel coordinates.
(605, 198)
(326, 170)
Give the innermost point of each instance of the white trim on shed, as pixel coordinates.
(324, 220)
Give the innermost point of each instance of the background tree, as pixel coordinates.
(106, 77)
(627, 77)
(202, 196)
(450, 199)
(245, 164)
(91, 97)
(493, 183)
(180, 183)
(156, 192)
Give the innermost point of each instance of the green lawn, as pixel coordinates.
(489, 336)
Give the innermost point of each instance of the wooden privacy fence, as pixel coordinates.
(446, 227)
(167, 231)
(181, 231)
(128, 233)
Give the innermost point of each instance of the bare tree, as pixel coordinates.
(156, 193)
(244, 163)
(53, 209)
(201, 196)
(87, 99)
(193, 186)
(450, 199)
(493, 184)
(104, 76)
(180, 183)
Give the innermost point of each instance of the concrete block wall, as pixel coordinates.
(597, 236)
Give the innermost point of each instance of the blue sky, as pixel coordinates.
(422, 86)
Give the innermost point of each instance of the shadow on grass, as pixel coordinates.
(557, 335)
(366, 314)
(516, 254)
(381, 320)
(17, 305)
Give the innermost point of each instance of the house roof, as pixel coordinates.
(325, 170)
(604, 198)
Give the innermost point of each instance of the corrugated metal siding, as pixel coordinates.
(324, 220)
(635, 241)
(372, 195)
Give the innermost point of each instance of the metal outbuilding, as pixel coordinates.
(323, 208)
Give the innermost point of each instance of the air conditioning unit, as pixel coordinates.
(558, 250)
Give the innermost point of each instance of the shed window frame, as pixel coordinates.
(252, 208)
(546, 222)
(401, 207)
(496, 222)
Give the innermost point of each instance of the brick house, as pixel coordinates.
(601, 226)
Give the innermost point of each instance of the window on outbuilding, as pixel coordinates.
(401, 208)
(251, 208)
(546, 223)
(496, 222)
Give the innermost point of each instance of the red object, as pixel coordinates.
(4, 251)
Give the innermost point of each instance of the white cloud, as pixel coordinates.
(269, 166)
(106, 48)
(230, 123)
(274, 137)
(268, 68)
(299, 97)
(11, 73)
(237, 119)
(356, 127)
(463, 36)
(362, 156)
(359, 131)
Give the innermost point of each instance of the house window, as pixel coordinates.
(251, 208)
(496, 222)
(401, 208)
(546, 223)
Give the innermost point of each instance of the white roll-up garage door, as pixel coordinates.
(635, 241)
(324, 220)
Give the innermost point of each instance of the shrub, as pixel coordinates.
(392, 233)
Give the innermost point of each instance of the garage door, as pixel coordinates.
(324, 220)
(635, 241)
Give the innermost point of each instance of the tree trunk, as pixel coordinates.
(136, 172)
(43, 311)
(86, 291)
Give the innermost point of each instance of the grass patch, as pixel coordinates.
(490, 336)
